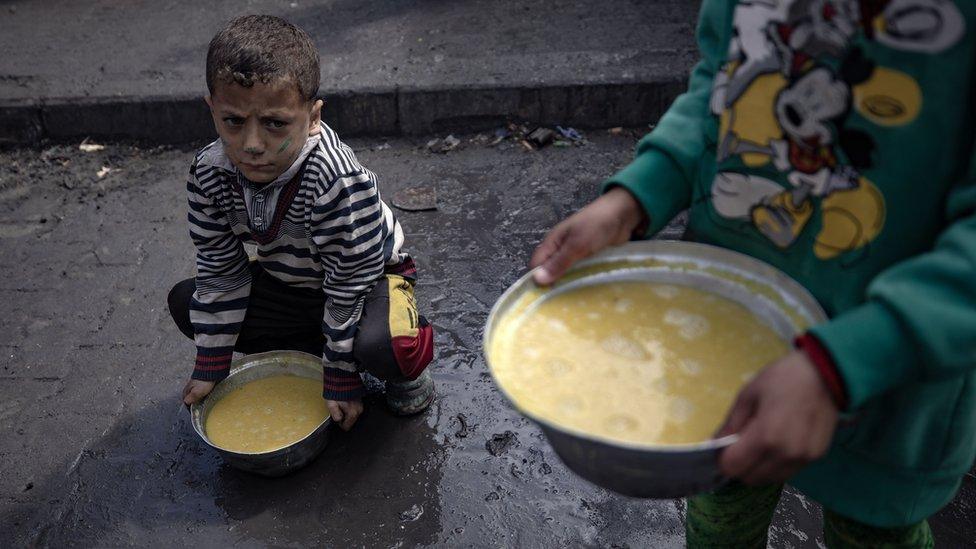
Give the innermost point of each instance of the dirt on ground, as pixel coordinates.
(98, 450)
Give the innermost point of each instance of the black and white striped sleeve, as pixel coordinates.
(223, 281)
(350, 229)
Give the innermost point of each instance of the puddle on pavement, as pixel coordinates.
(375, 486)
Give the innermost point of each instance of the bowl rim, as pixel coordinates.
(238, 366)
(644, 250)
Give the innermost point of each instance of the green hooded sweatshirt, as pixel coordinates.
(835, 141)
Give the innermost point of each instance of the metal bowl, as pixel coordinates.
(260, 365)
(656, 470)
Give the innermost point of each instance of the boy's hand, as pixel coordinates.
(345, 412)
(608, 220)
(785, 418)
(195, 390)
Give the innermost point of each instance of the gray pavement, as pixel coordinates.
(97, 450)
(134, 70)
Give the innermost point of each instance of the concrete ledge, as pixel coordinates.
(584, 106)
(404, 111)
(370, 112)
(158, 119)
(20, 123)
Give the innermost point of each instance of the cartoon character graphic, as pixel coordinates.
(784, 35)
(807, 111)
(807, 114)
(851, 218)
(781, 37)
(783, 109)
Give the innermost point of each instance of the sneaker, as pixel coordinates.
(406, 398)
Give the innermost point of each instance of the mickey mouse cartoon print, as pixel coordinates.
(794, 74)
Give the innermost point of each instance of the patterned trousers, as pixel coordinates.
(738, 516)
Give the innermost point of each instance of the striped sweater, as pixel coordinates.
(329, 230)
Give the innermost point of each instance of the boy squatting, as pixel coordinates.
(330, 277)
(833, 139)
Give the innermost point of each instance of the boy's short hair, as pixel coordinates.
(263, 48)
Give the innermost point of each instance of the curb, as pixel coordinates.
(390, 112)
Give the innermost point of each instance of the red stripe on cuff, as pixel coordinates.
(212, 368)
(201, 359)
(207, 368)
(342, 386)
(338, 384)
(821, 359)
(344, 392)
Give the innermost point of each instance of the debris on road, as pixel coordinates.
(535, 138)
(56, 155)
(615, 131)
(462, 431)
(412, 514)
(416, 199)
(103, 172)
(499, 443)
(444, 145)
(570, 134)
(540, 137)
(87, 146)
(500, 135)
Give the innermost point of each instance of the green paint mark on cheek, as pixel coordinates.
(284, 145)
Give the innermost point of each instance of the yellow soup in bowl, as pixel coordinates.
(639, 362)
(267, 414)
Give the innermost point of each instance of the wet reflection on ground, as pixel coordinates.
(98, 451)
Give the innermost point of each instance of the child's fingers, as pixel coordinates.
(570, 251)
(761, 456)
(738, 460)
(192, 394)
(777, 464)
(335, 411)
(742, 409)
(545, 248)
(550, 244)
(195, 391)
(350, 415)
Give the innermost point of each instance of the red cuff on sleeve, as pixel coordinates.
(342, 384)
(821, 359)
(212, 364)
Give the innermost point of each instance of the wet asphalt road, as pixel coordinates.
(97, 450)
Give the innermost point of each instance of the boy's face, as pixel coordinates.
(263, 127)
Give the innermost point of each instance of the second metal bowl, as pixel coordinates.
(656, 470)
